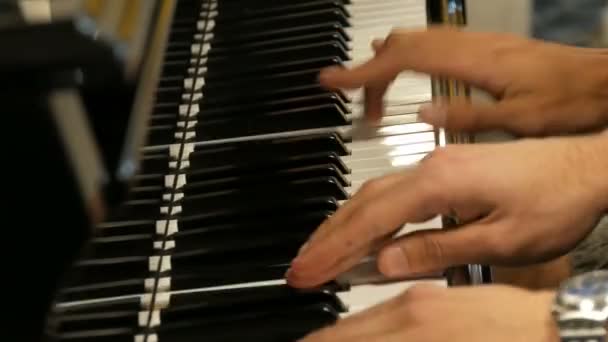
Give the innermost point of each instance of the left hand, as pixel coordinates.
(434, 314)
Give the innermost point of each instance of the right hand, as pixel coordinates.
(522, 202)
(542, 88)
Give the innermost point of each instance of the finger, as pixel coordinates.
(369, 189)
(377, 44)
(315, 277)
(374, 93)
(433, 251)
(465, 116)
(382, 68)
(471, 55)
(303, 274)
(374, 321)
(376, 217)
(374, 101)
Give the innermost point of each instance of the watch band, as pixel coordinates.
(585, 337)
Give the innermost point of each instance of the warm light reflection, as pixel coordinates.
(407, 160)
(403, 129)
(408, 139)
(412, 149)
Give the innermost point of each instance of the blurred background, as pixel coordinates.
(578, 22)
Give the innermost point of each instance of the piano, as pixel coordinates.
(189, 152)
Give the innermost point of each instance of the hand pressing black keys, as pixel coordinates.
(269, 313)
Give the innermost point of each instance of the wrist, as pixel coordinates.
(546, 300)
(598, 71)
(596, 155)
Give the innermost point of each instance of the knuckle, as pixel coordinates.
(371, 186)
(499, 247)
(433, 250)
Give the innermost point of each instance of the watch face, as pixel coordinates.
(587, 293)
(590, 286)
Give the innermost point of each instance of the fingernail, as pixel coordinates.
(396, 262)
(433, 114)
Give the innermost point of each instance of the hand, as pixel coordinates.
(433, 314)
(541, 88)
(526, 201)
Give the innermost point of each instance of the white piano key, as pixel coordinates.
(363, 297)
(434, 223)
(387, 152)
(393, 140)
(389, 111)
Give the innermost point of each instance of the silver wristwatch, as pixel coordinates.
(581, 308)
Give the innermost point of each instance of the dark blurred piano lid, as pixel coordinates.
(78, 36)
(123, 25)
(95, 36)
(137, 32)
(145, 94)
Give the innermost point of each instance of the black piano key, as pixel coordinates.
(122, 245)
(241, 197)
(199, 305)
(283, 326)
(245, 37)
(229, 153)
(270, 106)
(155, 163)
(278, 22)
(311, 39)
(161, 135)
(193, 238)
(169, 117)
(229, 12)
(265, 58)
(204, 170)
(325, 170)
(98, 321)
(262, 254)
(132, 228)
(114, 305)
(219, 276)
(105, 335)
(290, 65)
(81, 290)
(170, 94)
(138, 210)
(232, 237)
(265, 94)
(245, 112)
(146, 192)
(273, 122)
(288, 208)
(112, 269)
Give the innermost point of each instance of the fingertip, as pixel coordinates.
(433, 114)
(377, 44)
(392, 262)
(327, 76)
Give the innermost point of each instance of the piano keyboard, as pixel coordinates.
(246, 156)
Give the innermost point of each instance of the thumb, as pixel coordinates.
(433, 251)
(465, 116)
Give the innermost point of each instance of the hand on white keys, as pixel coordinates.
(437, 314)
(538, 85)
(522, 202)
